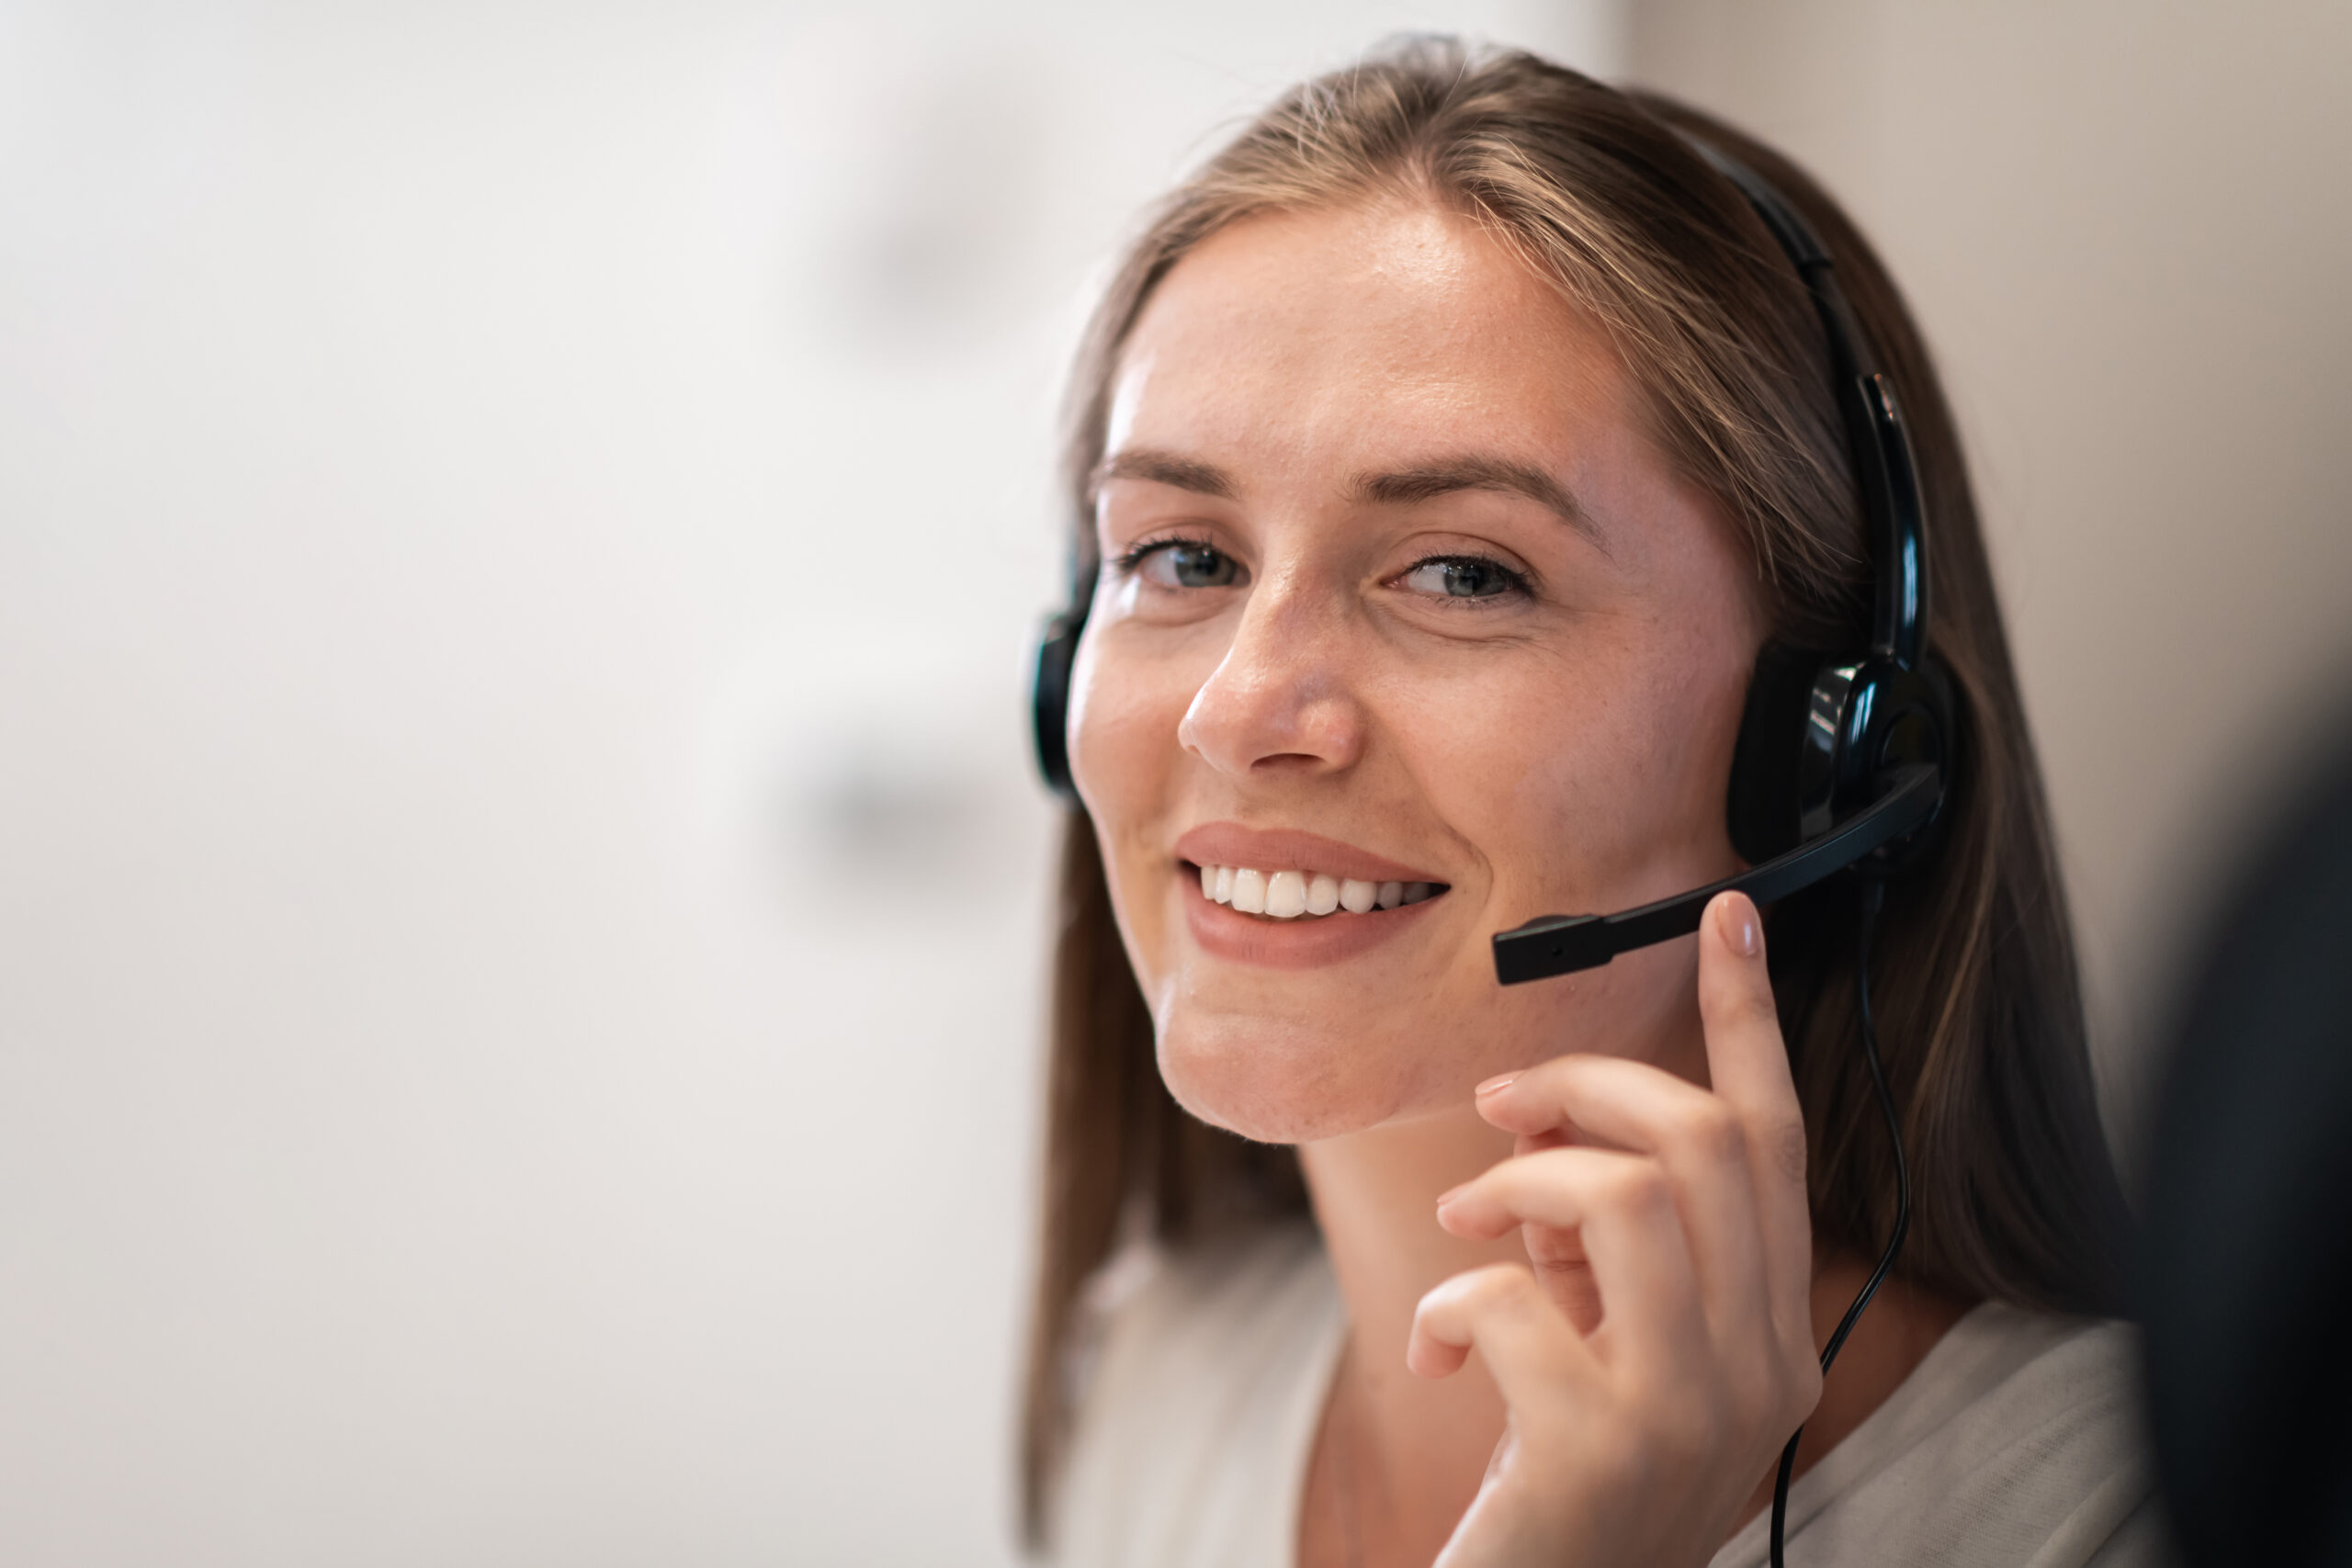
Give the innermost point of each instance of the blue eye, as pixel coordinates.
(1464, 577)
(1184, 563)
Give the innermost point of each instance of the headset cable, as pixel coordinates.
(1873, 900)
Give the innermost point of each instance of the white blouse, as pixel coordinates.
(2016, 1442)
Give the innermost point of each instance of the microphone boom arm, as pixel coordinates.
(1561, 944)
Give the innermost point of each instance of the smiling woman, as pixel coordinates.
(1451, 454)
(1327, 407)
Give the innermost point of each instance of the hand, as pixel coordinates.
(1654, 1369)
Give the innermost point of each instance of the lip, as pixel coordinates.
(1224, 932)
(1286, 849)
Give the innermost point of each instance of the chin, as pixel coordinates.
(1282, 1084)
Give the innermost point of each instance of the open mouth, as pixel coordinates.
(1305, 894)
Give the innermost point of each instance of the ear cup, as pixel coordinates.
(1049, 702)
(1764, 805)
(1818, 738)
(1894, 717)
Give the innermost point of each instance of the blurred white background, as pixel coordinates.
(521, 899)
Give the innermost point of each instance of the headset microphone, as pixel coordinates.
(1561, 944)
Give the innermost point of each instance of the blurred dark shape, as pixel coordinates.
(2247, 1273)
(892, 819)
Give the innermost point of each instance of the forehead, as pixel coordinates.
(1342, 334)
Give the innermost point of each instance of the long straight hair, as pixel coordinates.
(1975, 990)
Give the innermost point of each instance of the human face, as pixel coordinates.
(1397, 589)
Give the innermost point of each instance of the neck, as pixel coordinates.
(1416, 1450)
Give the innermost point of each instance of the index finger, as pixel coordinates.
(1747, 1060)
(1748, 1063)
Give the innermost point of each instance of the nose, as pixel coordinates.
(1282, 701)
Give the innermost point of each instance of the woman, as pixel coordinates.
(1448, 452)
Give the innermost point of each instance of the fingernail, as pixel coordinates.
(1742, 927)
(1450, 1194)
(1495, 1085)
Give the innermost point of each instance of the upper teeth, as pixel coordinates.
(1285, 895)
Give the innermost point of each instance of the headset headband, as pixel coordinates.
(1888, 480)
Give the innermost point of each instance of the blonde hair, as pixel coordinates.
(1976, 996)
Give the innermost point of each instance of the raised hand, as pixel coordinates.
(1659, 1351)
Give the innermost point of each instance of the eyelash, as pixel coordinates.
(1134, 556)
(1516, 583)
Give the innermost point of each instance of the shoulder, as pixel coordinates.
(2019, 1440)
(1204, 1377)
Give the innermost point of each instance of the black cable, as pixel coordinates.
(1873, 900)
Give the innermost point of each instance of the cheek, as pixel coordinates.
(1110, 724)
(1612, 793)
(1123, 714)
(1124, 760)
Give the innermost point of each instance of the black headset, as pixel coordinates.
(1840, 759)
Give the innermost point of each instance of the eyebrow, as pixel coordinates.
(1402, 487)
(1476, 471)
(1166, 469)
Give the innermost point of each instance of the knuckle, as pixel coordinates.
(1799, 1391)
(1562, 1268)
(1449, 1311)
(1755, 1393)
(1719, 1134)
(1640, 1185)
(1552, 1247)
(1546, 1082)
(1556, 1071)
(1500, 1286)
(1786, 1142)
